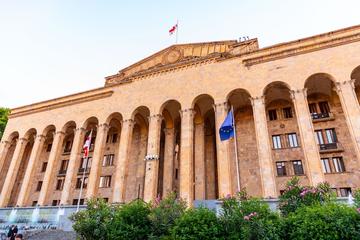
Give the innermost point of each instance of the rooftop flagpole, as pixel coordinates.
(236, 152)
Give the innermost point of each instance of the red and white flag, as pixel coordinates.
(173, 29)
(87, 145)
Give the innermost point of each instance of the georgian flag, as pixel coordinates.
(87, 145)
(173, 29)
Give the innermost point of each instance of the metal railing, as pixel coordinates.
(315, 116)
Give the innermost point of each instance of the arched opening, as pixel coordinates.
(247, 162)
(337, 152)
(40, 166)
(205, 156)
(355, 75)
(135, 174)
(30, 136)
(287, 155)
(169, 163)
(12, 139)
(83, 165)
(108, 162)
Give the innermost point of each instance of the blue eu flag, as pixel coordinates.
(227, 128)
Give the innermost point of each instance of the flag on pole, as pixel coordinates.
(87, 145)
(173, 29)
(227, 128)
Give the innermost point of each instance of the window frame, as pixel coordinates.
(281, 165)
(277, 143)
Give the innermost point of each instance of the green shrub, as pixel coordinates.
(131, 221)
(163, 215)
(93, 223)
(248, 218)
(197, 224)
(296, 196)
(357, 198)
(329, 221)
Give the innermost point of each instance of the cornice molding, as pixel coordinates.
(58, 103)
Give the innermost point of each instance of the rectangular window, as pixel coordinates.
(68, 146)
(312, 108)
(107, 138)
(106, 199)
(105, 181)
(344, 192)
(325, 165)
(114, 138)
(64, 165)
(34, 203)
(338, 164)
(176, 173)
(43, 167)
(292, 138)
(287, 112)
(272, 115)
(48, 148)
(334, 190)
(298, 167)
(324, 107)
(280, 168)
(60, 184)
(330, 135)
(38, 186)
(276, 141)
(85, 164)
(55, 203)
(319, 137)
(75, 201)
(108, 160)
(78, 182)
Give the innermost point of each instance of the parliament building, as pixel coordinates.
(155, 126)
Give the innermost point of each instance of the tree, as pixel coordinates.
(4, 112)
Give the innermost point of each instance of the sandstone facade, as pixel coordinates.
(155, 126)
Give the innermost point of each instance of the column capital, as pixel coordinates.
(40, 137)
(169, 131)
(103, 126)
(254, 100)
(81, 129)
(223, 106)
(338, 85)
(157, 117)
(5, 142)
(23, 140)
(294, 92)
(189, 111)
(130, 122)
(59, 133)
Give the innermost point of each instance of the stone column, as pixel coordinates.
(199, 154)
(94, 177)
(186, 155)
(34, 156)
(223, 152)
(122, 159)
(50, 169)
(152, 158)
(169, 150)
(71, 171)
(351, 108)
(4, 148)
(12, 172)
(307, 136)
(264, 148)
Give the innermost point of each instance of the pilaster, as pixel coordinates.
(264, 148)
(4, 148)
(223, 153)
(307, 136)
(94, 176)
(199, 155)
(34, 156)
(186, 155)
(152, 158)
(121, 161)
(13, 169)
(50, 169)
(169, 150)
(71, 171)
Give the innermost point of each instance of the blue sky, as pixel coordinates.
(50, 49)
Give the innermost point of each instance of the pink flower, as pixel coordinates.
(246, 218)
(228, 196)
(358, 210)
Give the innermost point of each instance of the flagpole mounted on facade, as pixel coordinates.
(236, 152)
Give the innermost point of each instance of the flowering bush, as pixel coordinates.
(296, 196)
(357, 198)
(163, 215)
(248, 218)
